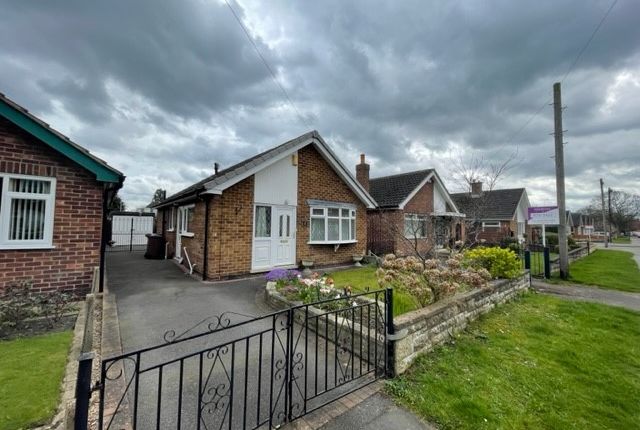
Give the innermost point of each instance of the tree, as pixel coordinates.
(116, 204)
(478, 177)
(158, 196)
(625, 207)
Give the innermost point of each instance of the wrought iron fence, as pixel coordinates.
(235, 371)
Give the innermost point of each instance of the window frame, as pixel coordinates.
(172, 219)
(5, 212)
(417, 217)
(351, 218)
(183, 214)
(491, 224)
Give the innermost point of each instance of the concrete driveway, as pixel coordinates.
(231, 378)
(154, 296)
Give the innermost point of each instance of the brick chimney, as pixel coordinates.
(362, 173)
(476, 189)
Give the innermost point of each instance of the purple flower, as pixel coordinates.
(281, 275)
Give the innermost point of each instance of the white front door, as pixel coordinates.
(284, 243)
(179, 235)
(274, 232)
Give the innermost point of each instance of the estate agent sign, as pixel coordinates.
(544, 215)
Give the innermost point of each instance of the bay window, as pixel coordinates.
(26, 211)
(332, 224)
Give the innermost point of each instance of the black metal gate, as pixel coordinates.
(238, 372)
(537, 260)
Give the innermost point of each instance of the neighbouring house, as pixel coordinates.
(494, 215)
(53, 203)
(295, 202)
(414, 212)
(581, 225)
(569, 222)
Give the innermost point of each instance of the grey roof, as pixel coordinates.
(225, 175)
(490, 205)
(230, 172)
(391, 191)
(576, 218)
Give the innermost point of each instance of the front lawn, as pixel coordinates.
(622, 239)
(615, 270)
(31, 371)
(537, 363)
(362, 279)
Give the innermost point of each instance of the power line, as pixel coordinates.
(266, 64)
(569, 70)
(584, 48)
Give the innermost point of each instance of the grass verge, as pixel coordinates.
(362, 279)
(537, 363)
(615, 270)
(622, 239)
(31, 370)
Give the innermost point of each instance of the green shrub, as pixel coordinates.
(501, 263)
(552, 239)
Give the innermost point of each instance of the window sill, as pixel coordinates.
(171, 230)
(332, 242)
(187, 234)
(25, 247)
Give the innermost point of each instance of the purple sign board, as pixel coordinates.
(544, 215)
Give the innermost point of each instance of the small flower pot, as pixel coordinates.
(306, 264)
(357, 259)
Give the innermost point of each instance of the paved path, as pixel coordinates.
(590, 294)
(378, 412)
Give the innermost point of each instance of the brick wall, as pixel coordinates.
(317, 180)
(231, 231)
(77, 223)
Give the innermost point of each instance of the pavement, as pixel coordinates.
(594, 294)
(156, 299)
(378, 412)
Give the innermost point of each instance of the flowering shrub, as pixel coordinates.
(430, 281)
(312, 289)
(282, 275)
(501, 263)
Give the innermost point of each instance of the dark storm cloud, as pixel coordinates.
(164, 89)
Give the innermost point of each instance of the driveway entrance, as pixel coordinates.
(212, 356)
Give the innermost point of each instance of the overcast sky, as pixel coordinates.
(162, 90)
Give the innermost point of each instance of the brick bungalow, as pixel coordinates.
(414, 212)
(291, 203)
(53, 199)
(495, 215)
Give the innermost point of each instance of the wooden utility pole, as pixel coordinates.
(562, 228)
(610, 218)
(604, 215)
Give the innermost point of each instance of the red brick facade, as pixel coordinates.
(230, 232)
(386, 228)
(77, 224)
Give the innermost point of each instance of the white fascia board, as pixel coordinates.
(415, 191)
(217, 188)
(446, 193)
(213, 187)
(344, 174)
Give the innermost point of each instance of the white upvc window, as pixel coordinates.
(415, 226)
(490, 224)
(171, 224)
(332, 225)
(26, 211)
(185, 220)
